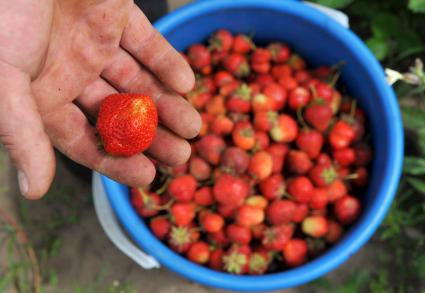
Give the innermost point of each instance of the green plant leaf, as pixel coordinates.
(385, 25)
(334, 3)
(421, 140)
(413, 117)
(414, 166)
(417, 5)
(417, 184)
(379, 47)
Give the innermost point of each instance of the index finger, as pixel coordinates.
(150, 48)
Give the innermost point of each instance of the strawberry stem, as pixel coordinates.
(301, 120)
(353, 109)
(164, 187)
(353, 176)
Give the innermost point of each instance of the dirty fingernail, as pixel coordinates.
(23, 182)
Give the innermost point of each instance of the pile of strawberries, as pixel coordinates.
(277, 170)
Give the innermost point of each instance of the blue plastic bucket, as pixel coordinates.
(321, 41)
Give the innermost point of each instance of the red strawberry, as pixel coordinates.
(145, 203)
(235, 159)
(288, 82)
(260, 165)
(278, 152)
(218, 238)
(204, 197)
(198, 99)
(336, 190)
(341, 135)
(206, 119)
(212, 222)
(182, 213)
(296, 62)
(322, 72)
(347, 209)
(216, 259)
(243, 135)
(299, 162)
(179, 170)
(199, 252)
(324, 160)
(300, 213)
(362, 177)
(127, 123)
(216, 106)
(323, 175)
(261, 102)
(262, 140)
(180, 238)
(276, 237)
(302, 76)
(229, 88)
(242, 44)
(315, 226)
(295, 252)
(199, 169)
(319, 199)
(345, 157)
(259, 262)
(301, 189)
(240, 100)
(281, 70)
(261, 68)
(255, 87)
(324, 91)
(210, 148)
(230, 190)
(227, 211)
(247, 215)
(319, 116)
(237, 65)
(199, 56)
(342, 171)
(221, 41)
(238, 234)
(257, 201)
(264, 121)
(363, 155)
(223, 77)
(183, 188)
(206, 83)
(278, 95)
(311, 142)
(258, 231)
(334, 232)
(221, 125)
(263, 80)
(279, 52)
(298, 98)
(260, 55)
(160, 226)
(286, 129)
(280, 212)
(273, 187)
(236, 260)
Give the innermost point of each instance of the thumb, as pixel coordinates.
(22, 133)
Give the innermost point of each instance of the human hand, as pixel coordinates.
(58, 59)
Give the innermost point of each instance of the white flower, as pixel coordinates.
(393, 76)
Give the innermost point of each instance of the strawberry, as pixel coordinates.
(221, 125)
(199, 56)
(260, 55)
(315, 226)
(229, 88)
(299, 97)
(243, 135)
(323, 91)
(324, 160)
(342, 171)
(242, 44)
(279, 52)
(278, 152)
(299, 162)
(362, 177)
(260, 165)
(207, 84)
(281, 70)
(318, 115)
(257, 201)
(336, 190)
(300, 213)
(341, 135)
(216, 259)
(223, 77)
(206, 119)
(212, 222)
(322, 72)
(288, 82)
(345, 156)
(216, 106)
(160, 226)
(127, 123)
(199, 169)
(145, 203)
(280, 212)
(261, 67)
(259, 262)
(179, 170)
(247, 215)
(302, 76)
(286, 129)
(273, 187)
(230, 190)
(295, 252)
(276, 237)
(261, 102)
(277, 94)
(182, 213)
(238, 234)
(323, 175)
(334, 232)
(237, 65)
(199, 252)
(310, 141)
(363, 155)
(198, 99)
(262, 80)
(204, 196)
(319, 199)
(262, 140)
(301, 189)
(258, 231)
(240, 100)
(227, 211)
(218, 238)
(235, 160)
(183, 188)
(221, 41)
(296, 62)
(335, 101)
(180, 238)
(264, 121)
(347, 209)
(236, 260)
(210, 148)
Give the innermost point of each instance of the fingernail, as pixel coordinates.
(23, 182)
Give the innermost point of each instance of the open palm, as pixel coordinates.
(58, 60)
